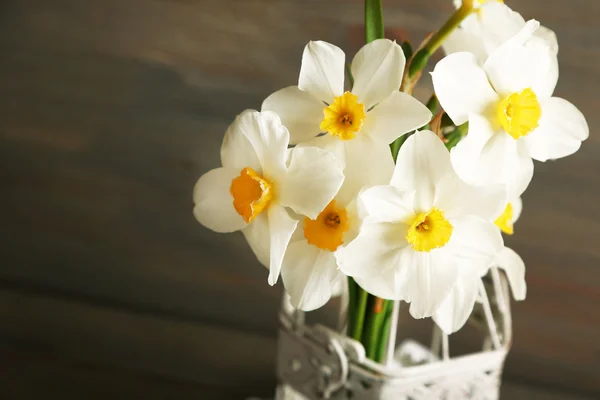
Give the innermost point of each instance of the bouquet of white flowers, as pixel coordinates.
(347, 183)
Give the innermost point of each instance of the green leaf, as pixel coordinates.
(407, 49)
(373, 20)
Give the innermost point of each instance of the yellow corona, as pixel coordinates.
(519, 113)
(344, 116)
(251, 193)
(429, 230)
(327, 231)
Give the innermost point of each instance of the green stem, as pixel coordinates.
(373, 20)
(456, 135)
(349, 72)
(372, 336)
(357, 314)
(352, 293)
(385, 332)
(422, 56)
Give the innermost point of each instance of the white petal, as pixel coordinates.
(514, 267)
(387, 203)
(431, 278)
(423, 161)
(455, 310)
(258, 236)
(396, 115)
(309, 275)
(322, 71)
(456, 199)
(213, 204)
(386, 280)
(523, 173)
(549, 37)
(461, 40)
(354, 218)
(267, 136)
(462, 87)
(300, 112)
(524, 61)
(466, 154)
(484, 31)
(314, 177)
(496, 23)
(327, 142)
(377, 69)
(497, 160)
(368, 163)
(237, 151)
(474, 244)
(517, 207)
(374, 249)
(560, 132)
(380, 285)
(512, 165)
(281, 228)
(340, 285)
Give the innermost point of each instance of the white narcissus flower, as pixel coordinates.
(424, 230)
(310, 270)
(456, 308)
(359, 124)
(488, 27)
(257, 182)
(510, 109)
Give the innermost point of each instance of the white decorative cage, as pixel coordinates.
(315, 362)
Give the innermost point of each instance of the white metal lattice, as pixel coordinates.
(315, 362)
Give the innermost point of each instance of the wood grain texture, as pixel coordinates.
(125, 363)
(111, 110)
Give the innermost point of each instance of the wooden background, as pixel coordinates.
(109, 112)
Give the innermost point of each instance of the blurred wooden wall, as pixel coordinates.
(109, 112)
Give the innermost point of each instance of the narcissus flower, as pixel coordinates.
(510, 109)
(258, 181)
(456, 308)
(492, 24)
(310, 271)
(359, 124)
(424, 230)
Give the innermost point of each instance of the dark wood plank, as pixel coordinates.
(111, 110)
(35, 375)
(231, 362)
(141, 356)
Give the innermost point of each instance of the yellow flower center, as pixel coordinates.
(429, 230)
(251, 194)
(505, 220)
(327, 231)
(344, 117)
(519, 113)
